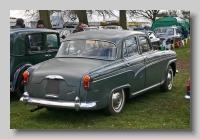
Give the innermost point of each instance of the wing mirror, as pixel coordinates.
(63, 37)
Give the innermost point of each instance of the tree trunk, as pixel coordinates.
(45, 16)
(82, 16)
(122, 15)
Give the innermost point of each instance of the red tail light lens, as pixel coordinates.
(25, 75)
(188, 84)
(86, 81)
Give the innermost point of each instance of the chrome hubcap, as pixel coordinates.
(117, 100)
(170, 79)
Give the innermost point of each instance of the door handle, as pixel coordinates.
(128, 64)
(46, 55)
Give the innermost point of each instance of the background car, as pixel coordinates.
(99, 70)
(29, 47)
(64, 33)
(142, 27)
(154, 40)
(113, 27)
(187, 96)
(90, 28)
(168, 35)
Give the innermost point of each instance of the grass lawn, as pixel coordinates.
(151, 110)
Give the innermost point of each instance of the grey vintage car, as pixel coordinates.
(98, 70)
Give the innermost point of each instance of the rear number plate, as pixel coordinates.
(52, 86)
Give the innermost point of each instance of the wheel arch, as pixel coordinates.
(16, 75)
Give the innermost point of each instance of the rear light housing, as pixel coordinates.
(188, 84)
(25, 75)
(86, 81)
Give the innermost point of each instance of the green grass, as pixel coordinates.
(151, 110)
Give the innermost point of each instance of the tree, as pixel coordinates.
(186, 14)
(148, 14)
(45, 16)
(122, 17)
(82, 16)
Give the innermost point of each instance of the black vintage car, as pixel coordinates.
(27, 48)
(98, 70)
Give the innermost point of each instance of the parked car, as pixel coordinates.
(113, 27)
(64, 33)
(154, 40)
(27, 48)
(100, 27)
(98, 70)
(167, 35)
(187, 96)
(90, 28)
(142, 27)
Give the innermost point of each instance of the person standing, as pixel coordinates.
(40, 24)
(79, 28)
(185, 33)
(19, 23)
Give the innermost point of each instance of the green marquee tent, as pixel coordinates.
(170, 21)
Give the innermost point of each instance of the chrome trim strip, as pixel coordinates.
(54, 77)
(140, 70)
(51, 96)
(145, 89)
(59, 104)
(108, 77)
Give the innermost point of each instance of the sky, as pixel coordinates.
(95, 18)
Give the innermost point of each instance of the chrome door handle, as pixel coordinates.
(46, 55)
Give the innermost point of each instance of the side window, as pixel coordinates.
(35, 42)
(125, 53)
(144, 44)
(131, 46)
(52, 42)
(177, 31)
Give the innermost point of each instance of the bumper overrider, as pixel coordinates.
(57, 103)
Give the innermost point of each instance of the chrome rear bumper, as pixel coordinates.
(57, 103)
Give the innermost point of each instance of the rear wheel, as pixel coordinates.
(168, 83)
(116, 102)
(20, 86)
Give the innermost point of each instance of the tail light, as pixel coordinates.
(188, 84)
(25, 75)
(86, 81)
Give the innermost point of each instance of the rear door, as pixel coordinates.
(134, 63)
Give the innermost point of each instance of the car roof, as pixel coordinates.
(31, 30)
(169, 27)
(107, 35)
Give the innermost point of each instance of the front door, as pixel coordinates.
(152, 62)
(35, 46)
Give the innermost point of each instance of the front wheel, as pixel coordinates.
(116, 102)
(168, 83)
